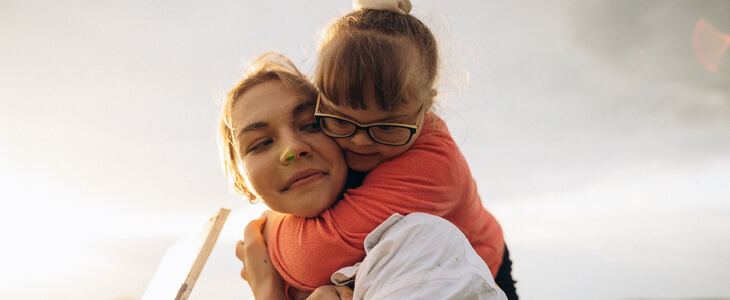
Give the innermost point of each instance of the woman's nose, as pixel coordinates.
(294, 149)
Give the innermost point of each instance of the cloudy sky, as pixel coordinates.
(596, 135)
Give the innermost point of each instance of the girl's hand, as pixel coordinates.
(258, 271)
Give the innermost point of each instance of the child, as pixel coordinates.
(376, 72)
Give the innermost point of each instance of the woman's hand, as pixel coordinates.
(258, 270)
(326, 292)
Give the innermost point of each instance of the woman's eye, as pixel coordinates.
(311, 127)
(259, 145)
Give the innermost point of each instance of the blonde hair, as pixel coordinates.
(267, 67)
(394, 53)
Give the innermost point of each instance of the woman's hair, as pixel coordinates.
(267, 67)
(394, 53)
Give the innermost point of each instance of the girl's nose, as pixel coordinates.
(361, 139)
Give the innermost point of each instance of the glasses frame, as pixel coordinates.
(412, 128)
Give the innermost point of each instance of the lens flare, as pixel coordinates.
(709, 45)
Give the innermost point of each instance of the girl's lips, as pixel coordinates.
(359, 154)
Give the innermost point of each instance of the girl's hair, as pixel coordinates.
(267, 67)
(393, 53)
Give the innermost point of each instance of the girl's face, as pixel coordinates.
(361, 152)
(285, 159)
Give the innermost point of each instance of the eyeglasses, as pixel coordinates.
(391, 134)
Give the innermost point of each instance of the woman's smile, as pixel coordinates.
(303, 178)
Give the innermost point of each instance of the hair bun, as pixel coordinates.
(399, 6)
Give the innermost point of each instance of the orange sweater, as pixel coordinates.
(430, 177)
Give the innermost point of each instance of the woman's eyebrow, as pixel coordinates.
(251, 127)
(296, 111)
(302, 108)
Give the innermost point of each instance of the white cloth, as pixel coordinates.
(419, 256)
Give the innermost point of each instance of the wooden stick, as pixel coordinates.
(215, 226)
(188, 255)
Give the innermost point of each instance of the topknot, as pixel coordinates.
(399, 6)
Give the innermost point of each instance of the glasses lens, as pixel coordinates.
(336, 127)
(390, 134)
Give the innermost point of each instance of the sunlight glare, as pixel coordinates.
(709, 45)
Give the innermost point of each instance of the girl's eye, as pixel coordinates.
(386, 127)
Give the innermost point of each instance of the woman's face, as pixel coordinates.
(361, 152)
(286, 160)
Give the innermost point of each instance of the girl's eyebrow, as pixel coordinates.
(381, 120)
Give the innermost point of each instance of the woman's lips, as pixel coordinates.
(303, 178)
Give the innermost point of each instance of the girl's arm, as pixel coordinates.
(427, 178)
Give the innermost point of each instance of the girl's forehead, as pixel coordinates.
(366, 98)
(372, 113)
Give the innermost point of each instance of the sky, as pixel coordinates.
(597, 132)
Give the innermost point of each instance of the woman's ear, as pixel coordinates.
(242, 185)
(250, 196)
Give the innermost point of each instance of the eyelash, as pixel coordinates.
(260, 145)
(313, 126)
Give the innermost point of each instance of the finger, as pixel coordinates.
(244, 275)
(344, 292)
(240, 253)
(301, 295)
(253, 230)
(330, 292)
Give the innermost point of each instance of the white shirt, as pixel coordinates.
(419, 256)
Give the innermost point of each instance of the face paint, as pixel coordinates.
(289, 157)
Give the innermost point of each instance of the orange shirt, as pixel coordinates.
(431, 177)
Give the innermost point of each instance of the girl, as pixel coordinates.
(376, 72)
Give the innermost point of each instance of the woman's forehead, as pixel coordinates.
(267, 103)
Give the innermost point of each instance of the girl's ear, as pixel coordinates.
(431, 98)
(432, 93)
